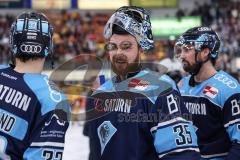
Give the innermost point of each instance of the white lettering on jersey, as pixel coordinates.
(196, 108)
(235, 107)
(225, 80)
(54, 94)
(172, 104)
(117, 105)
(14, 97)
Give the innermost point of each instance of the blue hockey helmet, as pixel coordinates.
(135, 21)
(31, 35)
(200, 38)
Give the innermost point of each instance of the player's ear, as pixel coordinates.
(141, 51)
(205, 54)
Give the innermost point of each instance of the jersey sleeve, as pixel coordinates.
(46, 140)
(173, 134)
(50, 122)
(231, 114)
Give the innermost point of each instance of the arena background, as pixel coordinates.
(79, 44)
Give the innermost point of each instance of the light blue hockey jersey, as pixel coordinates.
(140, 118)
(33, 116)
(215, 107)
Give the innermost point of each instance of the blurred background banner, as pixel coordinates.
(172, 26)
(155, 3)
(51, 4)
(101, 5)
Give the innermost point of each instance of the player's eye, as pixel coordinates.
(111, 47)
(125, 45)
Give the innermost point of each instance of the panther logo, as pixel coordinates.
(104, 131)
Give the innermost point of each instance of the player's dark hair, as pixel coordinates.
(119, 30)
(25, 58)
(213, 61)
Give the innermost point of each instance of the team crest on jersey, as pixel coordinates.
(105, 132)
(138, 84)
(210, 91)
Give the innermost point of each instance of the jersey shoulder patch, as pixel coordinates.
(225, 86)
(217, 89)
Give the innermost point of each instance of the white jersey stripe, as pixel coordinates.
(231, 122)
(214, 155)
(168, 122)
(53, 144)
(179, 150)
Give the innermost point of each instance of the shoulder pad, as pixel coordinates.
(3, 66)
(49, 96)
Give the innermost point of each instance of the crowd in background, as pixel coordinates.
(224, 18)
(77, 34)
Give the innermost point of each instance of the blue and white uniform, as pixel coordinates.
(33, 116)
(215, 107)
(141, 118)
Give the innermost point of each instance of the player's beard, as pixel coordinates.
(190, 68)
(122, 67)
